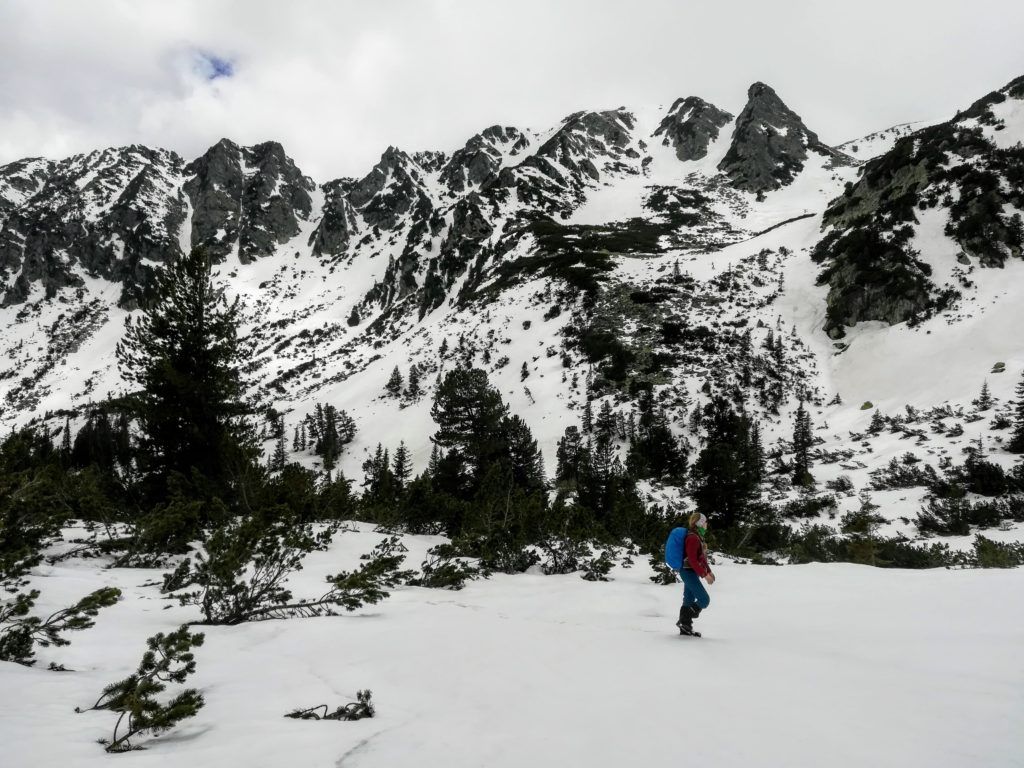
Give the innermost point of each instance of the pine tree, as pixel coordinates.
(604, 424)
(402, 468)
(1016, 444)
(394, 385)
(183, 354)
(985, 399)
(302, 436)
(524, 372)
(803, 439)
(567, 455)
(469, 413)
(413, 387)
(280, 456)
(588, 416)
(65, 442)
(725, 473)
(169, 659)
(295, 441)
(353, 318)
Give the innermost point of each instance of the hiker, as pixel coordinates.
(695, 567)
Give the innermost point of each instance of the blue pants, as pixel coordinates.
(693, 591)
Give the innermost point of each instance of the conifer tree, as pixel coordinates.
(604, 424)
(394, 385)
(295, 441)
(168, 659)
(588, 416)
(65, 442)
(280, 456)
(402, 468)
(353, 317)
(183, 355)
(1017, 438)
(803, 439)
(725, 472)
(412, 388)
(985, 399)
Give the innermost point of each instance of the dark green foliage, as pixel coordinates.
(444, 568)
(20, 631)
(280, 455)
(808, 506)
(897, 474)
(1016, 444)
(101, 443)
(803, 440)
(357, 710)
(563, 554)
(368, 584)
(168, 659)
(394, 385)
(183, 354)
(241, 576)
(727, 470)
(468, 412)
(655, 452)
(984, 400)
(330, 430)
(568, 456)
(995, 554)
(662, 573)
(598, 568)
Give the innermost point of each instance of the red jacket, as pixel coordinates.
(695, 557)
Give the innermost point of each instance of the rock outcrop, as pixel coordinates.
(690, 126)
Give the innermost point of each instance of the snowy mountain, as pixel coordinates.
(675, 245)
(681, 249)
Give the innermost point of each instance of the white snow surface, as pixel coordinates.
(841, 665)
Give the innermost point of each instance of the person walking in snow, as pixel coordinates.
(695, 567)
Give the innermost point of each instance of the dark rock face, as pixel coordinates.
(21, 180)
(113, 214)
(393, 188)
(770, 144)
(872, 271)
(690, 126)
(254, 196)
(479, 161)
(339, 224)
(555, 177)
(588, 138)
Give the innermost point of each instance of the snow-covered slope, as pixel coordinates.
(838, 663)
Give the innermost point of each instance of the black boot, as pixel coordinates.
(685, 623)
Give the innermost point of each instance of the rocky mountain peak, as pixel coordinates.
(252, 197)
(769, 144)
(690, 126)
(482, 157)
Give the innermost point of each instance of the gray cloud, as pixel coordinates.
(336, 82)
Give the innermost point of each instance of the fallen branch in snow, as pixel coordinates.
(357, 710)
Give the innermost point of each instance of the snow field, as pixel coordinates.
(799, 666)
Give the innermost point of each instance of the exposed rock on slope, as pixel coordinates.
(770, 144)
(113, 214)
(962, 169)
(691, 125)
(254, 197)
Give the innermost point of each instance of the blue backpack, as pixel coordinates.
(674, 553)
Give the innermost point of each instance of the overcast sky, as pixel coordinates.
(337, 82)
